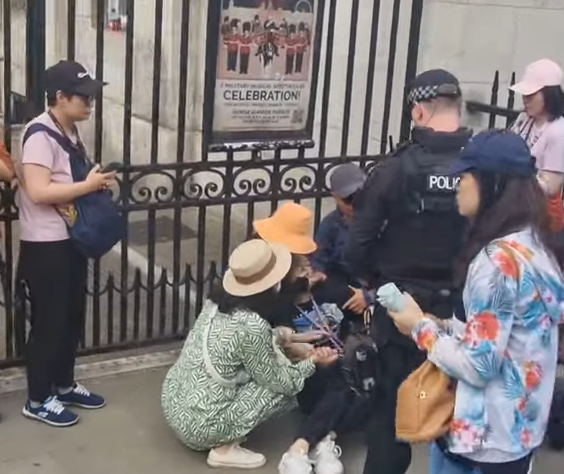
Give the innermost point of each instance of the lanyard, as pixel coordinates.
(78, 145)
(530, 123)
(325, 327)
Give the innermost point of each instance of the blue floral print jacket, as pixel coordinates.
(504, 357)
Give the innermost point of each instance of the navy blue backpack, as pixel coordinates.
(99, 224)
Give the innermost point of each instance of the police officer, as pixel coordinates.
(406, 230)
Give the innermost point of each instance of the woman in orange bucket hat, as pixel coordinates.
(326, 401)
(290, 225)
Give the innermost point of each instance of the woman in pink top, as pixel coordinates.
(542, 126)
(54, 270)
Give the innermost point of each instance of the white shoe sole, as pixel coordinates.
(31, 416)
(220, 464)
(85, 407)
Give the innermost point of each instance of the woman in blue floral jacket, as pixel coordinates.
(502, 347)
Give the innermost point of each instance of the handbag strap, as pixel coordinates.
(213, 373)
(240, 379)
(75, 152)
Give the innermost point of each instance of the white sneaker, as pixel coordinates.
(295, 464)
(237, 457)
(326, 456)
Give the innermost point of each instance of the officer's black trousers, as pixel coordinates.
(398, 358)
(385, 455)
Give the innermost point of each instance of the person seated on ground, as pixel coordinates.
(329, 261)
(291, 225)
(330, 406)
(231, 376)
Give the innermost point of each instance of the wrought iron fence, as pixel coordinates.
(186, 214)
(507, 114)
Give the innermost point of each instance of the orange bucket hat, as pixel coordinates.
(291, 226)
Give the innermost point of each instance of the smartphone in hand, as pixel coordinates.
(111, 167)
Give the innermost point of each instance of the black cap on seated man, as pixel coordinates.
(406, 230)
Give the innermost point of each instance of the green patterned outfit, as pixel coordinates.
(204, 413)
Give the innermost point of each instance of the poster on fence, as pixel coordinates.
(265, 70)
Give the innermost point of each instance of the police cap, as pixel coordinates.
(432, 84)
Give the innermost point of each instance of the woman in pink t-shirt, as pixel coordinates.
(54, 270)
(542, 126)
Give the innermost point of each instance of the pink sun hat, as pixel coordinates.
(538, 75)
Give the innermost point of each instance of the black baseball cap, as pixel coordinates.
(73, 78)
(497, 151)
(346, 180)
(432, 84)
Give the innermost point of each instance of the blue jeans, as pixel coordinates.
(440, 464)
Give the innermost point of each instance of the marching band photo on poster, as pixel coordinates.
(264, 67)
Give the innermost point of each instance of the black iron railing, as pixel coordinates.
(493, 109)
(186, 215)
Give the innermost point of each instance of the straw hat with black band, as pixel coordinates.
(256, 266)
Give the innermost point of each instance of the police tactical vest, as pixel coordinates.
(423, 235)
(428, 186)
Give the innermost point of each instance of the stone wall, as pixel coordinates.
(474, 38)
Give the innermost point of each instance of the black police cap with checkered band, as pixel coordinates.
(432, 84)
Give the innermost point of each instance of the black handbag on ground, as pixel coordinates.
(360, 360)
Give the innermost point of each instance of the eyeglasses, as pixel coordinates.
(88, 100)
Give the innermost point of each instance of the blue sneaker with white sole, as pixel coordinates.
(80, 397)
(51, 412)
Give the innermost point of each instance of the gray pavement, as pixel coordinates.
(129, 436)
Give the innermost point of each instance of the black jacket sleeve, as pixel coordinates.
(371, 211)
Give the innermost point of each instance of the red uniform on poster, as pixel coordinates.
(301, 43)
(291, 43)
(231, 41)
(245, 41)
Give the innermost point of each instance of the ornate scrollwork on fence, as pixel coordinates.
(161, 302)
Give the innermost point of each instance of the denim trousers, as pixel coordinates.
(440, 464)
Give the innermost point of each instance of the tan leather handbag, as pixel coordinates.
(425, 405)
